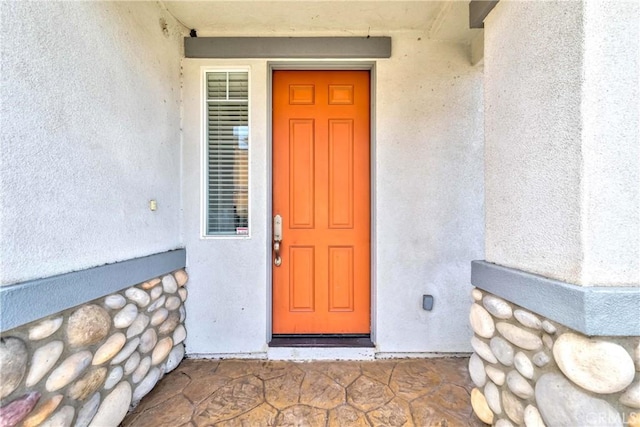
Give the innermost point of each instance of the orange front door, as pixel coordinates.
(321, 191)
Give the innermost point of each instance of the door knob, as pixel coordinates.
(277, 238)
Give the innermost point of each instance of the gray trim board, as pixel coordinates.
(28, 301)
(287, 47)
(593, 311)
(478, 11)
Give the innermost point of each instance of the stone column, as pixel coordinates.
(555, 312)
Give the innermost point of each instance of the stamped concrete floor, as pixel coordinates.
(410, 392)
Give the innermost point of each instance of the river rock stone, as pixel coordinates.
(115, 301)
(138, 296)
(476, 370)
(15, 411)
(631, 396)
(562, 404)
(512, 407)
(62, 418)
(44, 358)
(129, 348)
(170, 324)
(532, 417)
(528, 319)
(496, 375)
(159, 316)
(43, 411)
(68, 370)
(148, 340)
(480, 407)
(169, 284)
(109, 349)
(175, 357)
(523, 365)
(183, 294)
(518, 336)
(518, 385)
(44, 329)
(88, 384)
(126, 316)
(179, 334)
(548, 327)
(633, 420)
(476, 294)
(155, 293)
(157, 303)
(497, 306)
(173, 303)
(114, 407)
(13, 364)
(150, 284)
(483, 349)
(183, 313)
(181, 277)
(88, 325)
(541, 359)
(114, 377)
(161, 350)
(492, 394)
(595, 365)
(138, 325)
(503, 423)
(132, 363)
(141, 370)
(636, 357)
(481, 321)
(146, 385)
(88, 410)
(502, 350)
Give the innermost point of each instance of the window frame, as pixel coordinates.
(204, 165)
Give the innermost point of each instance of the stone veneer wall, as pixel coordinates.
(86, 366)
(531, 371)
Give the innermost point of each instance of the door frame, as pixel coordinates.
(322, 65)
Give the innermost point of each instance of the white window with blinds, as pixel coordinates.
(226, 153)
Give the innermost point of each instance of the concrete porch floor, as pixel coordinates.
(408, 392)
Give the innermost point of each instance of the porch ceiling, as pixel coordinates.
(440, 20)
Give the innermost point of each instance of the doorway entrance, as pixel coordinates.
(321, 202)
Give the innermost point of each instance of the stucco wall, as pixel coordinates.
(561, 166)
(611, 143)
(90, 133)
(428, 214)
(429, 184)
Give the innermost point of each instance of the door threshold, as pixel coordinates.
(322, 341)
(308, 354)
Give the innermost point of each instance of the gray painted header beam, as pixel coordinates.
(28, 301)
(287, 47)
(594, 311)
(478, 11)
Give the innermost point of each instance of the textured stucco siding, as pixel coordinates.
(611, 147)
(532, 136)
(90, 133)
(428, 213)
(429, 185)
(561, 116)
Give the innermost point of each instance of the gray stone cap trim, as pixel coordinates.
(287, 47)
(593, 311)
(28, 301)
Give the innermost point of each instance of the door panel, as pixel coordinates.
(321, 189)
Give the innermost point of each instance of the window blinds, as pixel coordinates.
(227, 133)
